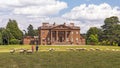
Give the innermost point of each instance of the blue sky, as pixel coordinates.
(84, 13)
(73, 3)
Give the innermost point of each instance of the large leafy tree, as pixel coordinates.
(1, 29)
(12, 26)
(93, 35)
(6, 36)
(31, 31)
(115, 38)
(93, 39)
(36, 32)
(111, 30)
(92, 30)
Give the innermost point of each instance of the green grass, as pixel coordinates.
(6, 48)
(61, 58)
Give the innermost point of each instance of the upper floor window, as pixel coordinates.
(43, 32)
(76, 32)
(72, 32)
(76, 39)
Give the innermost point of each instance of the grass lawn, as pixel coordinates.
(60, 58)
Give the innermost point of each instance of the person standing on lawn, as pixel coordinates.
(37, 47)
(32, 48)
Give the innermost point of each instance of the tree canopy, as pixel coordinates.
(31, 31)
(12, 26)
(111, 30)
(109, 34)
(92, 35)
(11, 32)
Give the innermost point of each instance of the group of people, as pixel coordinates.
(36, 48)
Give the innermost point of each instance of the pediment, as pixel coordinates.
(61, 27)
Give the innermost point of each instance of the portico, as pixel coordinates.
(59, 36)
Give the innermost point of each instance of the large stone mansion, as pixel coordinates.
(53, 34)
(57, 34)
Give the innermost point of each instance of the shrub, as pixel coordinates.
(14, 41)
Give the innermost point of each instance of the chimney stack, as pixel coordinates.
(54, 24)
(64, 23)
(45, 24)
(71, 24)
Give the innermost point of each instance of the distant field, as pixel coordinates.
(61, 57)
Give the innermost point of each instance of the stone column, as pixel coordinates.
(65, 36)
(51, 36)
(40, 37)
(57, 36)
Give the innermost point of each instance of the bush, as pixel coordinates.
(14, 41)
(1, 39)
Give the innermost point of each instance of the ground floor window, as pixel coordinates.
(71, 39)
(67, 39)
(77, 40)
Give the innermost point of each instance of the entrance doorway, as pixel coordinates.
(61, 35)
(60, 39)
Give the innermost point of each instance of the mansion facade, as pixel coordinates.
(62, 34)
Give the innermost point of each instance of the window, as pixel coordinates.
(43, 39)
(72, 32)
(48, 39)
(61, 27)
(43, 32)
(77, 40)
(71, 39)
(76, 32)
(67, 39)
(62, 38)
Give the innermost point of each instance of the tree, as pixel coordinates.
(93, 35)
(111, 30)
(116, 34)
(14, 41)
(36, 32)
(5, 37)
(31, 31)
(93, 39)
(1, 38)
(12, 26)
(24, 33)
(1, 29)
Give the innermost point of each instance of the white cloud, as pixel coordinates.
(40, 7)
(41, 10)
(9, 3)
(37, 11)
(29, 11)
(92, 12)
(91, 15)
(33, 7)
